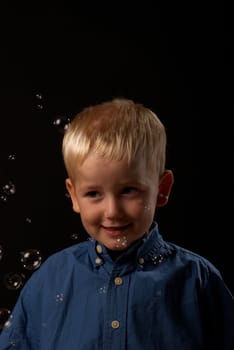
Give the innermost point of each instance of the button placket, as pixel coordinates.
(98, 261)
(115, 324)
(99, 249)
(141, 261)
(118, 281)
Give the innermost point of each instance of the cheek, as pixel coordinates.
(89, 214)
(149, 207)
(139, 209)
(148, 213)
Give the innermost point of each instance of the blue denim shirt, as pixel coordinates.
(155, 296)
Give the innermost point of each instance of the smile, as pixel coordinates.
(115, 230)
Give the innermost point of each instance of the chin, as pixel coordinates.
(117, 246)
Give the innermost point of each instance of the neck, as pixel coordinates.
(115, 254)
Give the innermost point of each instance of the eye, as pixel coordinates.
(130, 190)
(92, 194)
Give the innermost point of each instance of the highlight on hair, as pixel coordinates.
(117, 130)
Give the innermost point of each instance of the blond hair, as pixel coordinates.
(116, 130)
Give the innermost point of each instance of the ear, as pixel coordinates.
(165, 184)
(71, 190)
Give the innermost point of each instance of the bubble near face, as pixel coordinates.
(121, 242)
(147, 208)
(74, 237)
(61, 123)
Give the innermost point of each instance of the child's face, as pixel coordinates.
(116, 201)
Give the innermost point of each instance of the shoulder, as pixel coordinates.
(59, 266)
(66, 256)
(198, 274)
(194, 264)
(187, 256)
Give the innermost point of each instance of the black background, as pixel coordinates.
(176, 60)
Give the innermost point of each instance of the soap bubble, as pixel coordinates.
(13, 280)
(31, 259)
(4, 316)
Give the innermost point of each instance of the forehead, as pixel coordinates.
(96, 168)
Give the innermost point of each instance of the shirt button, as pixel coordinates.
(98, 261)
(141, 261)
(118, 281)
(115, 324)
(99, 248)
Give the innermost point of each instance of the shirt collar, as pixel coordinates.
(151, 249)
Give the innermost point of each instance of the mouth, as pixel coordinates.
(115, 230)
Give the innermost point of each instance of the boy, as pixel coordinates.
(126, 288)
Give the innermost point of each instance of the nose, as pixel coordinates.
(113, 208)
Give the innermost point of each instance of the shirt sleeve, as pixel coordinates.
(217, 309)
(18, 332)
(13, 335)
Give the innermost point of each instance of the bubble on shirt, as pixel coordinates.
(4, 317)
(8, 323)
(157, 259)
(13, 280)
(31, 259)
(121, 242)
(13, 343)
(102, 290)
(59, 297)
